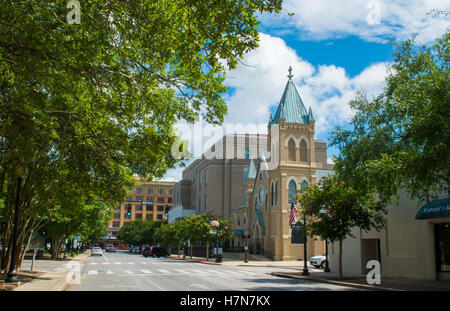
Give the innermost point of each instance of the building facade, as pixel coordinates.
(296, 159)
(146, 200)
(415, 243)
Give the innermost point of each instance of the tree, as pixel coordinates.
(402, 137)
(91, 104)
(335, 208)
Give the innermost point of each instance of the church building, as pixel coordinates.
(295, 159)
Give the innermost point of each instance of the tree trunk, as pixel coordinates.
(207, 250)
(178, 250)
(22, 255)
(340, 260)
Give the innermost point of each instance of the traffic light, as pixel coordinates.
(165, 214)
(129, 211)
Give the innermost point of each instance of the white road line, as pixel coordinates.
(231, 272)
(109, 272)
(104, 257)
(143, 262)
(106, 263)
(92, 272)
(128, 272)
(93, 263)
(146, 271)
(131, 263)
(163, 271)
(117, 263)
(182, 271)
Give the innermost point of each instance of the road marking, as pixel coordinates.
(250, 273)
(117, 263)
(143, 262)
(182, 271)
(92, 272)
(146, 271)
(106, 263)
(131, 263)
(104, 257)
(109, 272)
(231, 272)
(128, 272)
(93, 263)
(163, 271)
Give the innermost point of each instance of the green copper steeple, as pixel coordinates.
(291, 107)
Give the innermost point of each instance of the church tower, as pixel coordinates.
(298, 156)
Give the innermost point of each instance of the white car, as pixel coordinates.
(97, 251)
(318, 261)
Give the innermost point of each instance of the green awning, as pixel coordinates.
(438, 208)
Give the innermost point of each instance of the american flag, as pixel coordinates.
(293, 214)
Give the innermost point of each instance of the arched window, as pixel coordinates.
(303, 151)
(292, 192)
(265, 202)
(272, 201)
(304, 185)
(276, 193)
(291, 150)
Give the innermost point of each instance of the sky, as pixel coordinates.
(335, 48)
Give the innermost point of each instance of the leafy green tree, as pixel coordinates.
(90, 104)
(402, 137)
(334, 208)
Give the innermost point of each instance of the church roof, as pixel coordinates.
(291, 107)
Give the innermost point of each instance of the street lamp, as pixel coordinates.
(305, 259)
(215, 223)
(246, 236)
(12, 273)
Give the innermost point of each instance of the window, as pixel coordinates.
(160, 208)
(160, 191)
(149, 216)
(117, 215)
(303, 151)
(125, 215)
(118, 207)
(169, 200)
(128, 199)
(139, 207)
(206, 177)
(149, 208)
(291, 150)
(304, 186)
(245, 175)
(116, 224)
(170, 192)
(160, 199)
(150, 199)
(239, 220)
(246, 154)
(139, 198)
(261, 194)
(159, 216)
(276, 193)
(138, 216)
(127, 206)
(292, 192)
(139, 190)
(149, 190)
(272, 199)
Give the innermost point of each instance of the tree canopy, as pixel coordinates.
(401, 138)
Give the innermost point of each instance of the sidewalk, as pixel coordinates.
(53, 280)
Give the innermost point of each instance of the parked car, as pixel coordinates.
(155, 251)
(97, 251)
(318, 261)
(110, 248)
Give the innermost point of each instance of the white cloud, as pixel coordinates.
(371, 20)
(327, 88)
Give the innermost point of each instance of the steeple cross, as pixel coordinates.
(290, 73)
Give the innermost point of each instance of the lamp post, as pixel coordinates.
(215, 223)
(305, 255)
(246, 243)
(12, 273)
(327, 268)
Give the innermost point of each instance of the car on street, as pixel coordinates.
(97, 251)
(155, 251)
(110, 248)
(318, 261)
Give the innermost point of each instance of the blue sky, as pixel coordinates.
(336, 47)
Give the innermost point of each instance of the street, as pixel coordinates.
(133, 272)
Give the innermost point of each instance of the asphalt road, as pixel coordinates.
(133, 272)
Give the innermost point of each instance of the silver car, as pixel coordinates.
(96, 251)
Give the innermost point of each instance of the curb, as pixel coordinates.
(339, 283)
(59, 284)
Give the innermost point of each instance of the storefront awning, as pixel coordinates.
(434, 209)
